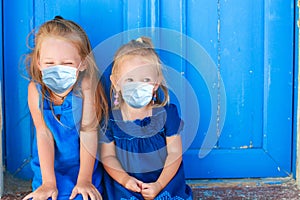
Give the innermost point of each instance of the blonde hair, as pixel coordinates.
(71, 32)
(141, 47)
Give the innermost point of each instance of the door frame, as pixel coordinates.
(296, 121)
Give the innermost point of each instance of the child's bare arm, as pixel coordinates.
(88, 132)
(115, 170)
(45, 146)
(84, 185)
(45, 141)
(88, 144)
(173, 161)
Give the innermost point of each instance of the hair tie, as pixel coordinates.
(139, 40)
(58, 17)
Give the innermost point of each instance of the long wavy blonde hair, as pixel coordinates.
(71, 32)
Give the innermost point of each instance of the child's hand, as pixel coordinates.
(45, 191)
(133, 184)
(87, 190)
(150, 190)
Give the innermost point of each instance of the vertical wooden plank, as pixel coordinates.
(153, 9)
(138, 14)
(134, 17)
(17, 23)
(101, 19)
(47, 10)
(134, 14)
(202, 27)
(173, 18)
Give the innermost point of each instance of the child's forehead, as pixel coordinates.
(56, 47)
(144, 69)
(137, 63)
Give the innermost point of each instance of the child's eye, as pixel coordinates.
(146, 80)
(49, 63)
(129, 80)
(68, 63)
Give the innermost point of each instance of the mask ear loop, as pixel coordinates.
(79, 66)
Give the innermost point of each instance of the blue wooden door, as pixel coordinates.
(229, 65)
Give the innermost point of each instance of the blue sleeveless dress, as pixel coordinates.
(67, 146)
(141, 150)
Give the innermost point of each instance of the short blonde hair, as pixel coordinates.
(141, 47)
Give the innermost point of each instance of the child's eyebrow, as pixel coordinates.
(68, 60)
(46, 58)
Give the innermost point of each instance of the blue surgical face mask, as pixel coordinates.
(59, 78)
(137, 94)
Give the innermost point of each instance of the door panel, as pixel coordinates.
(17, 23)
(247, 45)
